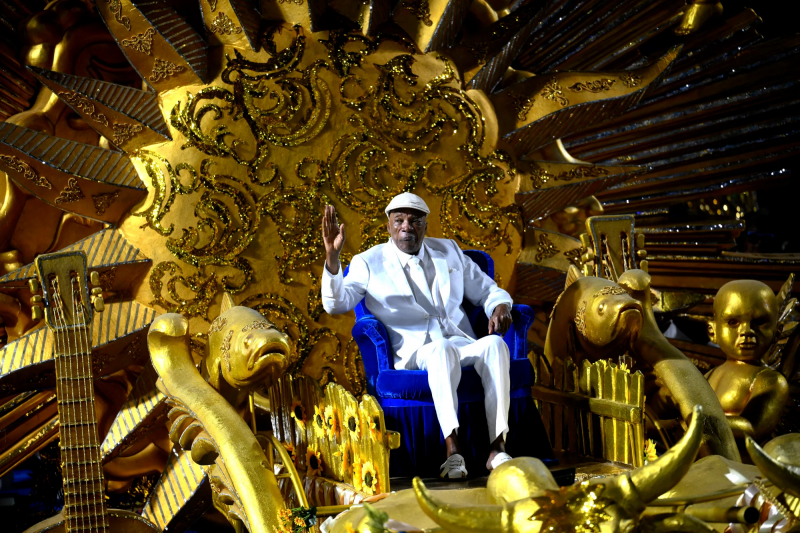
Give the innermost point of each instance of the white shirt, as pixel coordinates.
(438, 311)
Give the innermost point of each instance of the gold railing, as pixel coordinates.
(350, 436)
(596, 410)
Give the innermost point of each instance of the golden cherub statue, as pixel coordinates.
(745, 323)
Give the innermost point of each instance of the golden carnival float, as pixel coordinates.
(166, 172)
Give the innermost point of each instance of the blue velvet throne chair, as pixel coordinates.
(408, 407)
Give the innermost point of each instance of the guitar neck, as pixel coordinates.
(82, 469)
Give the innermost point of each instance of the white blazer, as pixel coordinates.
(378, 276)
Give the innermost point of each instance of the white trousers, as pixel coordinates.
(443, 360)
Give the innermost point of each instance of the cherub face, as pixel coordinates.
(745, 319)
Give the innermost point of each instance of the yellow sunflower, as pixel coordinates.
(313, 462)
(369, 478)
(346, 453)
(375, 427)
(332, 423)
(352, 422)
(319, 421)
(299, 414)
(357, 466)
(291, 451)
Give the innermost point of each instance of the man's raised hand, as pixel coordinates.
(333, 237)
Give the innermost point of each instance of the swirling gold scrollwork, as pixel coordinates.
(125, 132)
(343, 60)
(408, 121)
(84, 104)
(27, 171)
(204, 286)
(290, 320)
(103, 201)
(594, 86)
(115, 6)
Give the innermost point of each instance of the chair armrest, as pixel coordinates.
(517, 335)
(376, 350)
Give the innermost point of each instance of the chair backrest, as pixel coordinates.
(481, 258)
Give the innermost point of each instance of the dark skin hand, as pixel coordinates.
(333, 238)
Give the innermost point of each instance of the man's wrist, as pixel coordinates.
(332, 263)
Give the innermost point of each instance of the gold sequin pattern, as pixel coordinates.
(258, 324)
(223, 25)
(225, 348)
(164, 69)
(141, 42)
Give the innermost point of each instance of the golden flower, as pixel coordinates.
(349, 527)
(319, 421)
(300, 522)
(313, 462)
(650, 454)
(346, 453)
(369, 478)
(352, 422)
(299, 414)
(332, 423)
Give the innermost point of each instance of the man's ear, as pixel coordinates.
(712, 330)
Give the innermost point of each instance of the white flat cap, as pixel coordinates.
(409, 201)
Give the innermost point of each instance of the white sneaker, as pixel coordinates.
(453, 468)
(499, 459)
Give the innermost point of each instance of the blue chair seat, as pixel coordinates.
(413, 384)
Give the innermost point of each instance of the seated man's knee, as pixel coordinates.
(499, 344)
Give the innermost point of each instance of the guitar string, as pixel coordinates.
(79, 384)
(87, 338)
(82, 339)
(60, 372)
(70, 409)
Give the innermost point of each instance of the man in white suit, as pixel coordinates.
(415, 286)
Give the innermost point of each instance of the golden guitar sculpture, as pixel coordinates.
(68, 313)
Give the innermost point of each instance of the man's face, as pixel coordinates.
(745, 320)
(407, 228)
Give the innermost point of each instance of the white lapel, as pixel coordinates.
(442, 274)
(395, 272)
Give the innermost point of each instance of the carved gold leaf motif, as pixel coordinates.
(630, 80)
(574, 256)
(71, 193)
(163, 69)
(223, 25)
(546, 249)
(125, 132)
(420, 9)
(142, 42)
(594, 86)
(552, 91)
(115, 6)
(84, 104)
(102, 201)
(28, 172)
(217, 325)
